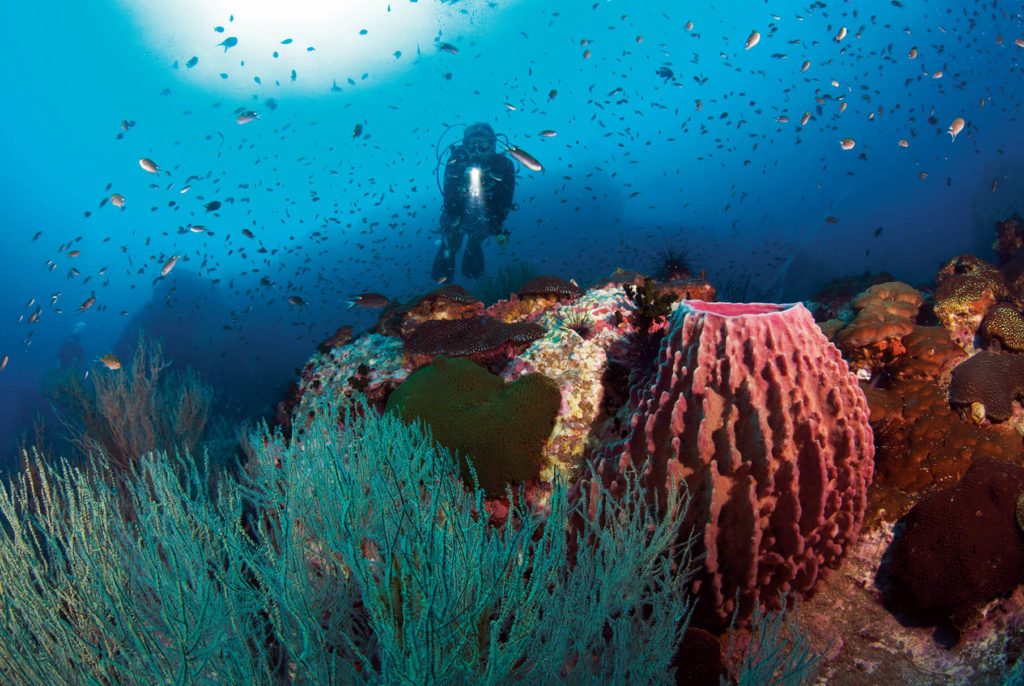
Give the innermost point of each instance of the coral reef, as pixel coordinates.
(500, 427)
(577, 366)
(447, 302)
(546, 286)
(930, 354)
(757, 411)
(832, 298)
(987, 383)
(1003, 327)
(960, 547)
(371, 365)
(885, 314)
(966, 288)
(484, 340)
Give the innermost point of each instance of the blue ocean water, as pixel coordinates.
(670, 133)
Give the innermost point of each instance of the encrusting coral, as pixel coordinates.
(501, 428)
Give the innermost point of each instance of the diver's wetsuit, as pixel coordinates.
(468, 214)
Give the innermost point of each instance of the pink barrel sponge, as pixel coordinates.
(758, 412)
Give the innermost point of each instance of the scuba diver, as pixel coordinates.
(478, 187)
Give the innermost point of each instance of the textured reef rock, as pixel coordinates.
(372, 364)
(535, 297)
(576, 365)
(759, 414)
(1003, 328)
(447, 302)
(959, 547)
(966, 288)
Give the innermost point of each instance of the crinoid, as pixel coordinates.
(579, 320)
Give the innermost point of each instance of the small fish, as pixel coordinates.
(3, 363)
(688, 26)
(510, 107)
(806, 118)
(197, 228)
(847, 143)
(169, 265)
(841, 35)
(111, 362)
(117, 200)
(912, 54)
(782, 119)
(525, 158)
(548, 133)
(89, 302)
(832, 220)
(752, 40)
(296, 300)
(956, 127)
(586, 54)
(903, 143)
(74, 253)
(149, 165)
(368, 300)
(212, 206)
(193, 61)
(228, 43)
(552, 94)
(357, 131)
(1019, 42)
(448, 47)
(805, 66)
(246, 117)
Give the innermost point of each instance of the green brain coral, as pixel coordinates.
(473, 413)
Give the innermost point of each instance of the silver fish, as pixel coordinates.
(524, 158)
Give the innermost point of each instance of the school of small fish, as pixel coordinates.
(786, 85)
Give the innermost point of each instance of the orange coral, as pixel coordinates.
(930, 355)
(688, 289)
(885, 314)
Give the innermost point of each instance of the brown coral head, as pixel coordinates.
(545, 285)
(992, 379)
(479, 338)
(452, 293)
